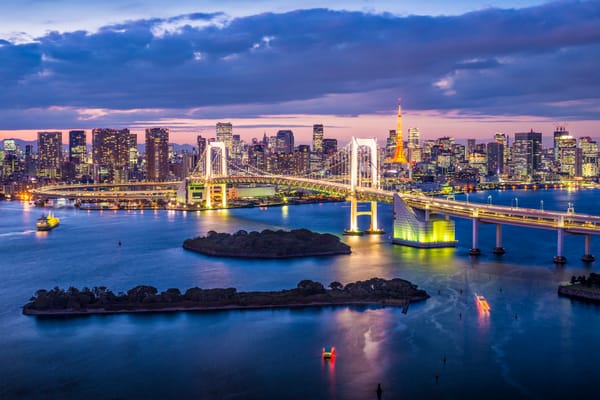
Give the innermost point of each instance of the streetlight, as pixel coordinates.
(490, 199)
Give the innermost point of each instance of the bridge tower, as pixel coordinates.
(370, 144)
(215, 193)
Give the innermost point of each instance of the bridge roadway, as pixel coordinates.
(573, 223)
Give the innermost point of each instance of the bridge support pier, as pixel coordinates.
(354, 213)
(559, 258)
(499, 249)
(587, 256)
(475, 250)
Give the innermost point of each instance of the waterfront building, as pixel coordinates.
(77, 151)
(49, 154)
(225, 135)
(110, 154)
(284, 141)
(236, 148)
(589, 157)
(317, 141)
(503, 138)
(495, 158)
(567, 156)
(526, 154)
(157, 154)
(560, 131)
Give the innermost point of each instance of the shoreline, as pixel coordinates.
(57, 302)
(172, 309)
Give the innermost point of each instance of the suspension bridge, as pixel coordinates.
(353, 172)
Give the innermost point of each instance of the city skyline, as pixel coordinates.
(188, 66)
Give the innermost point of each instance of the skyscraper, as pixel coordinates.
(560, 131)
(110, 154)
(285, 141)
(225, 135)
(527, 153)
(77, 150)
(567, 155)
(157, 154)
(49, 154)
(495, 158)
(589, 157)
(318, 138)
(399, 156)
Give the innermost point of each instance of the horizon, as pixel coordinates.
(189, 65)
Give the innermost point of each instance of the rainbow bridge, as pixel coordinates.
(419, 220)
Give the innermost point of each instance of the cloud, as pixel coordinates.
(489, 62)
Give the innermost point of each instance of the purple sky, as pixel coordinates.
(467, 69)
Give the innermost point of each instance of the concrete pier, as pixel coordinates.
(475, 249)
(499, 249)
(559, 258)
(587, 256)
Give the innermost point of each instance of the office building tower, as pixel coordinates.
(157, 154)
(503, 138)
(567, 156)
(470, 146)
(560, 131)
(225, 135)
(526, 154)
(329, 147)
(201, 145)
(285, 141)
(236, 148)
(77, 150)
(414, 138)
(399, 156)
(318, 138)
(495, 158)
(390, 145)
(589, 157)
(110, 154)
(49, 154)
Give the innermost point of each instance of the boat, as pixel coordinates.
(47, 222)
(482, 302)
(328, 352)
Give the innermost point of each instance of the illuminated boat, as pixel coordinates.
(47, 222)
(482, 302)
(328, 352)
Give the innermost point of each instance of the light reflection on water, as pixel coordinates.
(276, 353)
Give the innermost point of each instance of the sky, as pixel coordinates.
(465, 69)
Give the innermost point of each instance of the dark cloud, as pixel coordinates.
(533, 61)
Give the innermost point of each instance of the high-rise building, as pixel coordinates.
(495, 158)
(470, 146)
(329, 147)
(49, 154)
(110, 154)
(225, 135)
(201, 145)
(414, 138)
(399, 156)
(527, 154)
(567, 156)
(236, 148)
(318, 138)
(589, 157)
(414, 149)
(77, 150)
(285, 141)
(157, 154)
(503, 138)
(560, 131)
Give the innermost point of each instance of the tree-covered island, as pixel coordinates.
(582, 288)
(268, 244)
(100, 300)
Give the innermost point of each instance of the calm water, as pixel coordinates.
(550, 350)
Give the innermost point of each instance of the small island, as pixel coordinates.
(582, 288)
(143, 299)
(268, 244)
